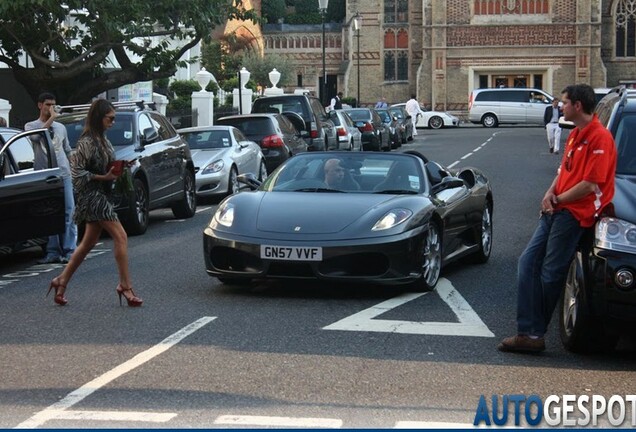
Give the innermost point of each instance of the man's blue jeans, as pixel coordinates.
(543, 269)
(64, 244)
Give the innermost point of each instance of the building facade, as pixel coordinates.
(441, 50)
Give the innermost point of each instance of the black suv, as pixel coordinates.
(319, 131)
(599, 298)
(163, 173)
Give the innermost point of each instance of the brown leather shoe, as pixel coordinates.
(522, 343)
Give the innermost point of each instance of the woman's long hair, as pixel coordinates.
(94, 126)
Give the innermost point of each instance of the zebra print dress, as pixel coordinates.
(92, 196)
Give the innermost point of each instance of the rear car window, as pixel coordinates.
(277, 105)
(251, 125)
(359, 115)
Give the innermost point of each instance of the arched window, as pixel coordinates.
(396, 55)
(625, 22)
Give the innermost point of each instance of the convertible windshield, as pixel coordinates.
(391, 173)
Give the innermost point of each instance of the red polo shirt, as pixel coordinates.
(590, 154)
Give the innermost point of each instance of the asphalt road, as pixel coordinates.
(203, 355)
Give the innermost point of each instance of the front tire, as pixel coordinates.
(435, 122)
(430, 260)
(489, 120)
(579, 331)
(232, 182)
(138, 213)
(187, 206)
(485, 246)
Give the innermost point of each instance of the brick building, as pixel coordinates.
(441, 50)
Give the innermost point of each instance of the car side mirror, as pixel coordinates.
(448, 183)
(565, 124)
(149, 135)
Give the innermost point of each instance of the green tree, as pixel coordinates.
(260, 67)
(223, 57)
(307, 12)
(71, 44)
(273, 10)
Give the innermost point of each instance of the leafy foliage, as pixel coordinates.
(260, 67)
(80, 48)
(307, 12)
(273, 10)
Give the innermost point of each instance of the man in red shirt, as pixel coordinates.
(583, 186)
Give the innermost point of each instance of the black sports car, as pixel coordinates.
(366, 217)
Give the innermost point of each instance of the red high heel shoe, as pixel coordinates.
(133, 301)
(59, 298)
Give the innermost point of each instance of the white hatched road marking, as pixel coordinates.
(469, 322)
(57, 410)
(471, 153)
(129, 416)
(298, 422)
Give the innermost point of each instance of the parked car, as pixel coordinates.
(220, 155)
(494, 106)
(433, 119)
(395, 129)
(404, 119)
(349, 136)
(598, 301)
(408, 218)
(278, 138)
(31, 192)
(163, 172)
(375, 134)
(321, 133)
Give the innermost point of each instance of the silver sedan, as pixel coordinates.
(220, 154)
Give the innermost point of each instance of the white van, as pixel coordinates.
(494, 106)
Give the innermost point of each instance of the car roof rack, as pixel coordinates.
(138, 105)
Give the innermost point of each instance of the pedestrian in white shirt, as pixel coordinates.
(413, 108)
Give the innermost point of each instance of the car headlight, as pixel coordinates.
(225, 215)
(616, 234)
(391, 219)
(213, 167)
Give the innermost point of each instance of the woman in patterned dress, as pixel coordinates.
(92, 183)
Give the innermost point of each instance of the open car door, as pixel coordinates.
(31, 187)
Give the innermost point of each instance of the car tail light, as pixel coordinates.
(342, 131)
(366, 127)
(313, 130)
(272, 141)
(470, 101)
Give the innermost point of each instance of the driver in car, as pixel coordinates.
(337, 177)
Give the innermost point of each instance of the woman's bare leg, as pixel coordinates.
(91, 236)
(120, 249)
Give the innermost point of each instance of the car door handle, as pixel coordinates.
(52, 180)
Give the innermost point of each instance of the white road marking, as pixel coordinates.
(452, 165)
(264, 421)
(467, 155)
(469, 322)
(57, 409)
(204, 209)
(129, 416)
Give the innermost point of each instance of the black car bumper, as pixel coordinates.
(609, 299)
(386, 260)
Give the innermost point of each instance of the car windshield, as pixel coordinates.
(369, 173)
(626, 145)
(208, 139)
(384, 115)
(120, 134)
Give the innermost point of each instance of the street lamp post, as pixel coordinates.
(357, 23)
(322, 5)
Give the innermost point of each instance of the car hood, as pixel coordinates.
(625, 198)
(200, 158)
(320, 213)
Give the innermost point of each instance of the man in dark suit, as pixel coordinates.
(551, 122)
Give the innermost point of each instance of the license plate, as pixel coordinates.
(291, 253)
